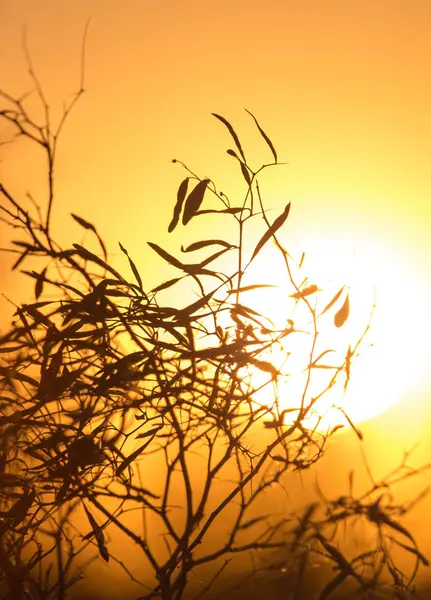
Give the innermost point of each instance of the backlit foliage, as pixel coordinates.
(101, 377)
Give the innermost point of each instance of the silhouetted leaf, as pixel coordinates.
(127, 461)
(83, 222)
(223, 211)
(251, 522)
(333, 301)
(133, 267)
(87, 255)
(152, 431)
(343, 314)
(98, 534)
(12, 374)
(311, 289)
(38, 288)
(20, 259)
(245, 173)
(18, 512)
(248, 288)
(232, 132)
(165, 285)
(204, 243)
(181, 194)
(265, 137)
(333, 584)
(271, 230)
(166, 256)
(213, 257)
(233, 153)
(414, 551)
(194, 200)
(26, 245)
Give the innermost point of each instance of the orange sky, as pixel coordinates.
(342, 87)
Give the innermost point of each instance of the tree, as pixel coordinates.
(104, 378)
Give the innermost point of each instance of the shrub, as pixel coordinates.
(104, 379)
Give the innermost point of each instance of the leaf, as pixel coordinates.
(245, 173)
(166, 256)
(415, 551)
(38, 288)
(342, 315)
(20, 259)
(265, 137)
(133, 267)
(332, 585)
(232, 132)
(83, 222)
(333, 301)
(98, 534)
(87, 255)
(251, 522)
(233, 153)
(395, 525)
(248, 288)
(213, 257)
(127, 461)
(311, 289)
(181, 194)
(204, 243)
(265, 366)
(229, 211)
(86, 225)
(152, 431)
(18, 512)
(271, 230)
(165, 285)
(194, 200)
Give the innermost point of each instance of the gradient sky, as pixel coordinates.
(342, 87)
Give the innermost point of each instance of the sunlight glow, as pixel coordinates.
(391, 360)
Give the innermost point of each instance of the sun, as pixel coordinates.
(389, 362)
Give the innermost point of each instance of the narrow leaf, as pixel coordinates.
(39, 283)
(333, 584)
(181, 194)
(152, 431)
(204, 243)
(311, 289)
(98, 534)
(233, 153)
(232, 132)
(245, 173)
(265, 137)
(333, 301)
(85, 224)
(166, 284)
(248, 288)
(194, 200)
(229, 211)
(415, 551)
(20, 259)
(133, 267)
(271, 230)
(127, 461)
(251, 522)
(166, 256)
(342, 315)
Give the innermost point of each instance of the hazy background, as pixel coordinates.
(343, 88)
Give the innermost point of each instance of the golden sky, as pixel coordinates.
(342, 87)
